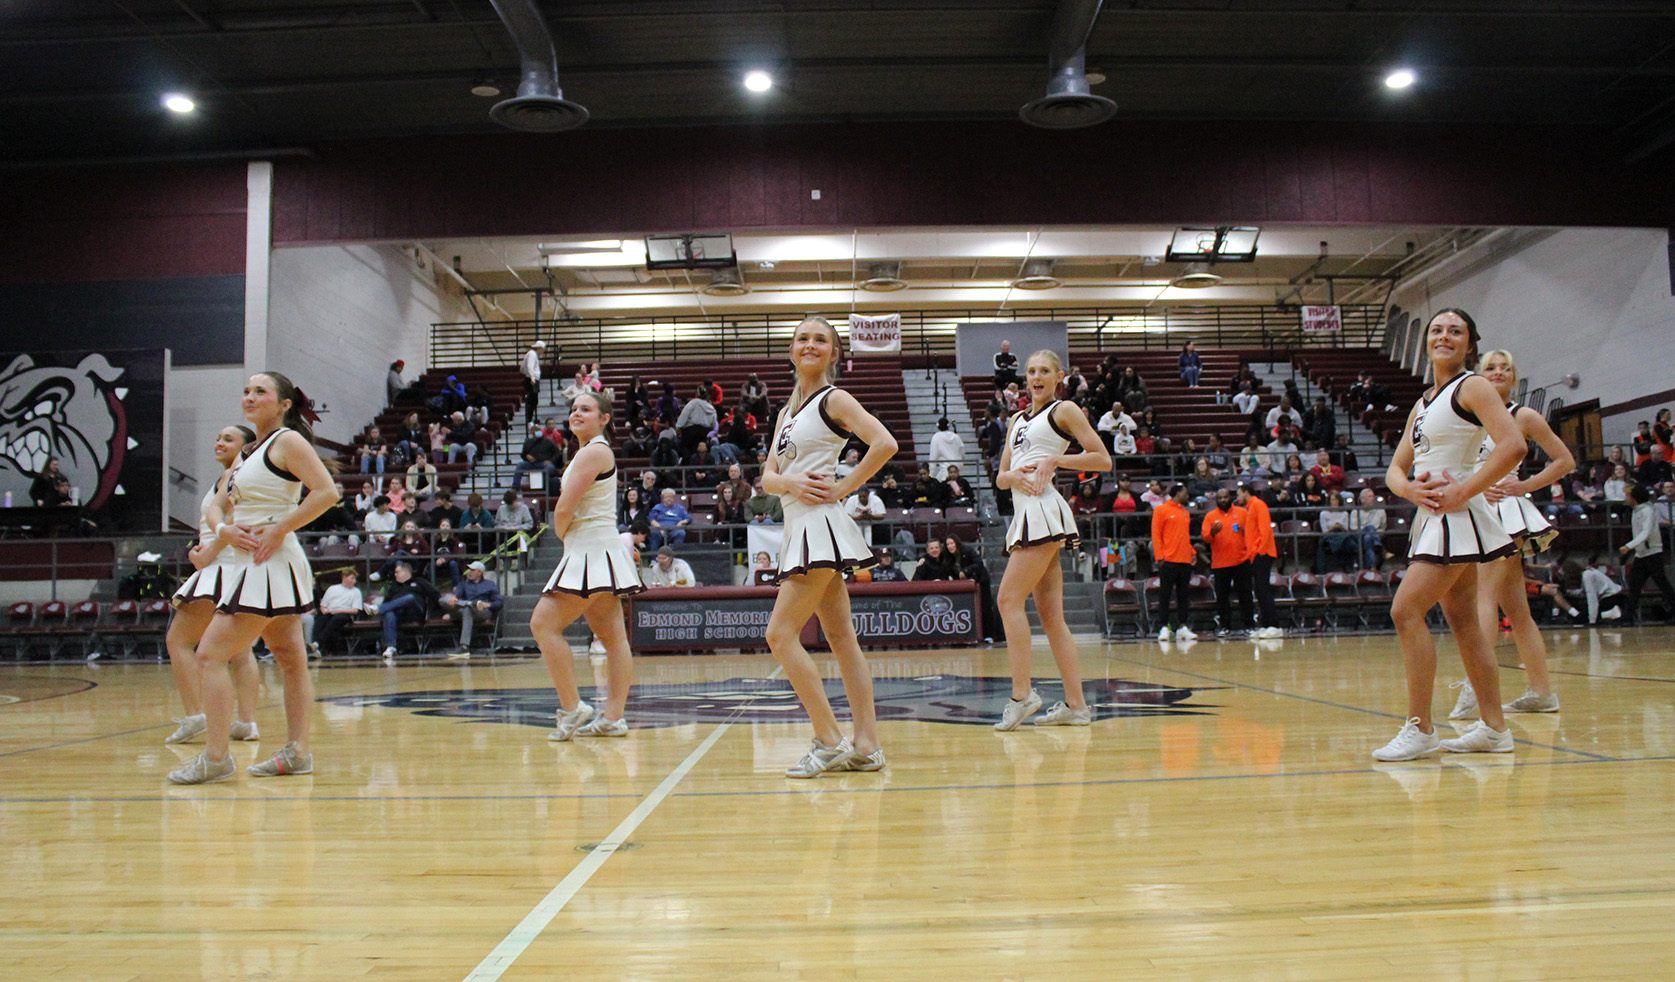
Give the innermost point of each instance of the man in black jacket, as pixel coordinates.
(538, 454)
(408, 598)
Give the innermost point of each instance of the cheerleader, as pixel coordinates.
(1500, 584)
(1454, 532)
(194, 606)
(596, 571)
(1042, 525)
(267, 583)
(820, 544)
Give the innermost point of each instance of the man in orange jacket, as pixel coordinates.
(1260, 546)
(1223, 530)
(1172, 549)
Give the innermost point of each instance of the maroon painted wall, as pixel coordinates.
(85, 224)
(735, 178)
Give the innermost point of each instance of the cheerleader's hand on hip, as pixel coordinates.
(236, 536)
(1426, 491)
(1506, 487)
(811, 489)
(1451, 496)
(1036, 479)
(268, 540)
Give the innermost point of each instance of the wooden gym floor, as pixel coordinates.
(1222, 820)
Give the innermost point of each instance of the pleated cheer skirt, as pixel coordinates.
(282, 585)
(203, 584)
(1525, 523)
(821, 537)
(1472, 535)
(595, 561)
(1039, 519)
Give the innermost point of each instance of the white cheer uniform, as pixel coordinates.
(1519, 516)
(594, 560)
(1044, 517)
(816, 536)
(206, 583)
(261, 494)
(1447, 437)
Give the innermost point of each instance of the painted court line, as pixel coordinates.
(514, 944)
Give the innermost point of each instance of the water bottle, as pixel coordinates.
(8, 499)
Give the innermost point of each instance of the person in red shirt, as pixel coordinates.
(1330, 475)
(1223, 530)
(1172, 548)
(1262, 550)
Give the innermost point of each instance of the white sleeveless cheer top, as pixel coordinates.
(261, 493)
(1446, 436)
(1036, 437)
(598, 505)
(810, 441)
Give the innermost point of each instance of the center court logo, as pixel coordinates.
(961, 699)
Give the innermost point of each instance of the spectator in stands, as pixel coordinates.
(394, 387)
(372, 451)
(1343, 456)
(891, 491)
(537, 454)
(1607, 469)
(865, 505)
(851, 459)
(1655, 471)
(1216, 454)
(1190, 364)
(475, 521)
(421, 478)
(1279, 494)
(668, 404)
(1247, 401)
(946, 448)
(1202, 485)
(1337, 536)
(1310, 494)
(669, 519)
(341, 604)
(407, 598)
(1076, 387)
(933, 565)
(1252, 460)
(735, 434)
(959, 491)
(462, 436)
(1125, 504)
(1642, 442)
(1116, 427)
(1286, 431)
(967, 565)
(762, 508)
(437, 437)
(380, 522)
(1132, 391)
(697, 419)
(1331, 476)
(634, 507)
(1224, 532)
(639, 401)
(1370, 521)
(701, 467)
(446, 549)
(338, 518)
(410, 542)
(513, 515)
(1006, 366)
(1144, 445)
(650, 487)
(530, 369)
(1281, 452)
(666, 461)
(668, 571)
(735, 477)
(400, 502)
(410, 437)
(1011, 398)
(50, 488)
(755, 397)
(1283, 409)
(364, 500)
(1663, 433)
(927, 491)
(1153, 495)
(444, 510)
(1616, 486)
(887, 571)
(729, 510)
(452, 399)
(474, 600)
(639, 444)
(1646, 547)
(1148, 419)
(1085, 504)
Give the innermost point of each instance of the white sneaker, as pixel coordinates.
(1615, 613)
(389, 656)
(1163, 636)
(245, 731)
(863, 762)
(1410, 742)
(370, 608)
(597, 647)
(821, 758)
(1533, 702)
(190, 727)
(599, 726)
(569, 721)
(1271, 632)
(376, 577)
(1465, 707)
(1062, 715)
(1480, 739)
(202, 770)
(1018, 710)
(1184, 633)
(313, 649)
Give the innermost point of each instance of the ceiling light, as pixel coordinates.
(884, 277)
(758, 81)
(1401, 78)
(1037, 274)
(175, 102)
(579, 256)
(1196, 276)
(725, 283)
(485, 89)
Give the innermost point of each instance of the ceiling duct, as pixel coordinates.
(725, 283)
(1069, 104)
(539, 106)
(1196, 276)
(1037, 274)
(884, 277)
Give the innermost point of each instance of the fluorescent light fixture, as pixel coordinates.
(758, 81)
(626, 253)
(591, 245)
(176, 102)
(1401, 78)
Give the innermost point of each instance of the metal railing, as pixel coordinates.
(924, 332)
